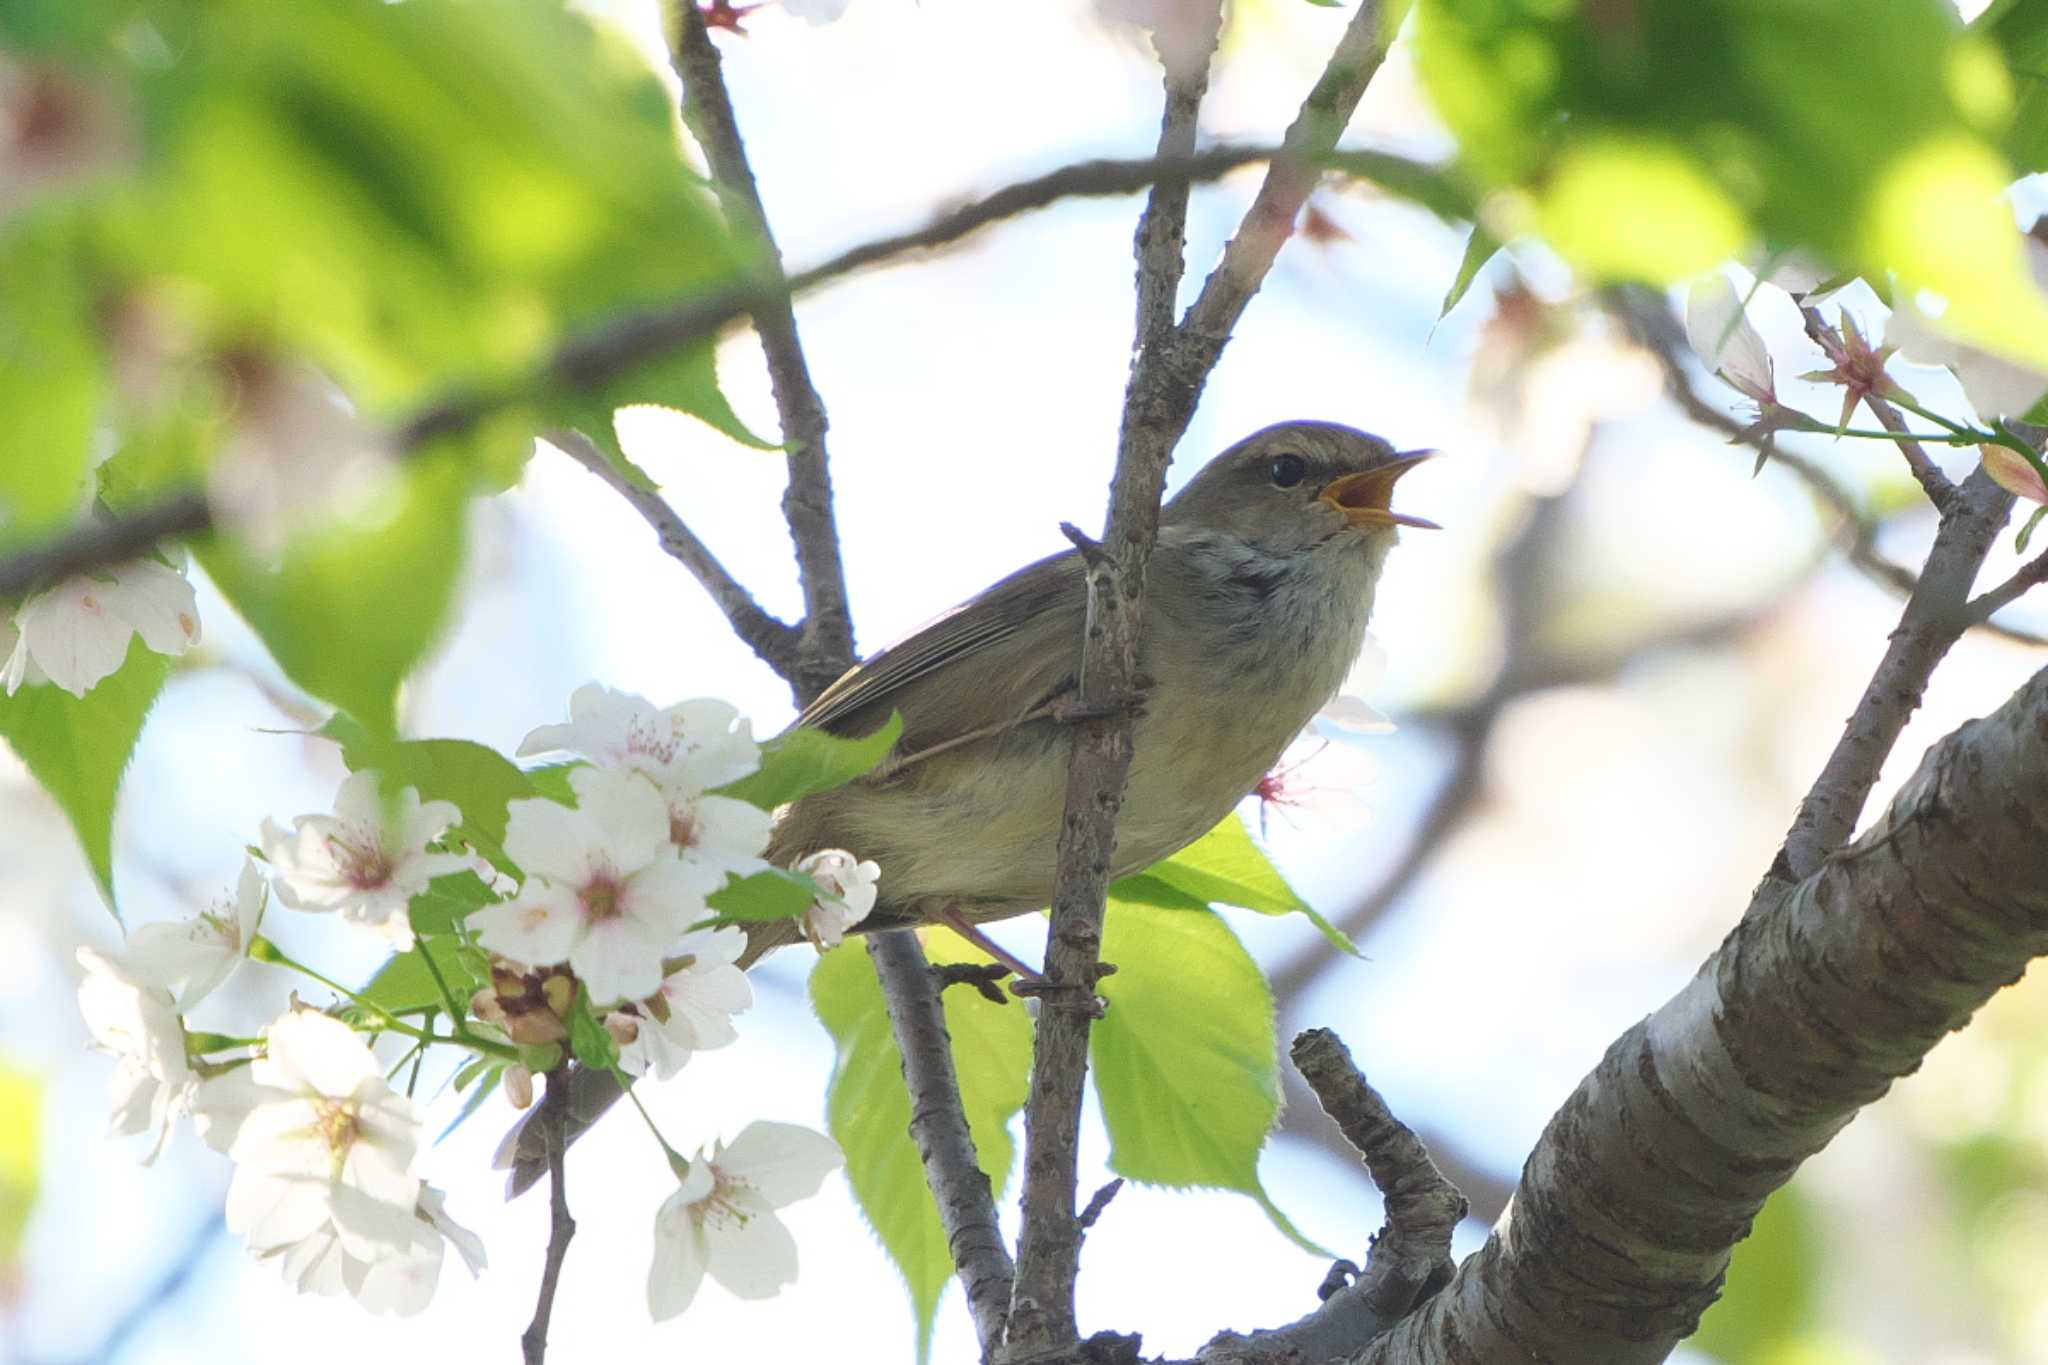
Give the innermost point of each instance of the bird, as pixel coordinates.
(1258, 594)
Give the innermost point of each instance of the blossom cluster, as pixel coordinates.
(1857, 355)
(597, 905)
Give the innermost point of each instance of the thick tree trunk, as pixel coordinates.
(1620, 1232)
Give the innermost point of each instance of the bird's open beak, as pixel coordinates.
(1364, 498)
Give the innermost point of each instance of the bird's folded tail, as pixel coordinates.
(524, 1150)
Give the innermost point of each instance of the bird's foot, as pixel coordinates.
(1067, 995)
(985, 977)
(961, 925)
(1069, 709)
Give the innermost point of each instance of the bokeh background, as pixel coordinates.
(1612, 676)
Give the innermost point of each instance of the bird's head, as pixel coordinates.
(1297, 484)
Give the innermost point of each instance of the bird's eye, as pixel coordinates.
(1287, 470)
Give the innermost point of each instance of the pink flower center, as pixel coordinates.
(364, 865)
(603, 898)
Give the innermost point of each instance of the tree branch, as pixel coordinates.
(605, 351)
(825, 648)
(771, 638)
(2024, 579)
(1167, 377)
(554, 1116)
(1653, 1169)
(102, 541)
(773, 641)
(938, 1123)
(1049, 1243)
(1935, 617)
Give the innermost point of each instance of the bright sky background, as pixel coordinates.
(974, 401)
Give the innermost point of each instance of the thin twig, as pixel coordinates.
(1422, 1207)
(1649, 319)
(1049, 1243)
(554, 1114)
(596, 356)
(1166, 382)
(2029, 575)
(1935, 616)
(612, 348)
(773, 640)
(1411, 1255)
(104, 541)
(825, 648)
(938, 1124)
(1304, 152)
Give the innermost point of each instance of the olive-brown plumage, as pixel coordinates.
(1257, 597)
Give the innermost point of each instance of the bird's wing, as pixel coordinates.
(1055, 584)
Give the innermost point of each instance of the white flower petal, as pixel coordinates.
(784, 1162)
(748, 1249)
(678, 1268)
(547, 839)
(620, 959)
(1722, 335)
(628, 808)
(539, 926)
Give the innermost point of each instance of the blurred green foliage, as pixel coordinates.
(1655, 138)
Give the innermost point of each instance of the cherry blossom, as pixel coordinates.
(138, 1024)
(686, 749)
(191, 957)
(722, 1218)
(77, 633)
(323, 1150)
(605, 890)
(296, 456)
(367, 860)
(718, 837)
(2010, 471)
(849, 887)
(693, 1009)
(400, 1282)
(1722, 335)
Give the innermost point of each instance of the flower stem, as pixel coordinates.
(676, 1160)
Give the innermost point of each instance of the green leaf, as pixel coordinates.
(1480, 248)
(52, 379)
(1226, 867)
(78, 748)
(2020, 32)
(480, 781)
(1652, 141)
(869, 1110)
(1185, 1061)
(768, 894)
(447, 902)
(2026, 534)
(1436, 189)
(589, 1040)
(353, 607)
(552, 781)
(802, 761)
(426, 195)
(406, 983)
